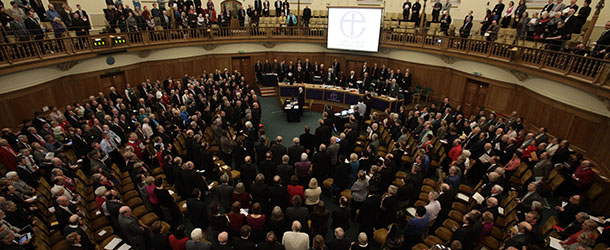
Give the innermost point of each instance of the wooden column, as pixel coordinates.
(422, 18)
(598, 8)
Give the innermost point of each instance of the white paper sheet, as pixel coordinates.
(478, 197)
(124, 247)
(554, 243)
(113, 243)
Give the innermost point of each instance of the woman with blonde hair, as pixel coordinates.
(240, 194)
(277, 222)
(312, 194)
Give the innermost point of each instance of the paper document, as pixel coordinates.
(124, 247)
(112, 244)
(554, 243)
(463, 197)
(102, 233)
(478, 197)
(411, 211)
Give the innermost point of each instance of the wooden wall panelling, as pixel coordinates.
(499, 98)
(456, 90)
(584, 131)
(8, 115)
(223, 61)
(561, 122)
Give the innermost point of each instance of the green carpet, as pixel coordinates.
(274, 119)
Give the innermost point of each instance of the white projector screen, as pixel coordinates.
(353, 28)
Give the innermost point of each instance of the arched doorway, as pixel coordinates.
(234, 6)
(231, 4)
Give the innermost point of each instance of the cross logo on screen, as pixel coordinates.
(353, 24)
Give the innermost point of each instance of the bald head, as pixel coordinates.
(125, 211)
(223, 238)
(296, 226)
(339, 233)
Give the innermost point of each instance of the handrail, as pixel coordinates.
(587, 69)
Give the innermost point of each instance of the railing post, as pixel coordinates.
(146, 37)
(69, 46)
(6, 56)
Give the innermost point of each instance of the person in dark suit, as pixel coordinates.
(131, 228)
(521, 238)
(571, 23)
(242, 241)
(525, 201)
(64, 210)
(498, 9)
(285, 170)
(467, 234)
(75, 226)
(278, 194)
(602, 42)
(167, 201)
(191, 180)
(278, 7)
(33, 26)
(196, 210)
(369, 211)
(323, 134)
(465, 29)
(18, 29)
(329, 77)
(549, 6)
(306, 16)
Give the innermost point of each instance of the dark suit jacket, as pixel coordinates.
(277, 151)
(465, 30)
(63, 216)
(34, 28)
(198, 212)
(239, 243)
(192, 180)
(466, 235)
(295, 152)
(132, 230)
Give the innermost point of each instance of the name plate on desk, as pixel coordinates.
(333, 96)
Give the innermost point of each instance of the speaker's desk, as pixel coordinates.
(337, 96)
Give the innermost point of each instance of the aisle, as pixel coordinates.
(274, 119)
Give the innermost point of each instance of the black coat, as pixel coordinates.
(198, 212)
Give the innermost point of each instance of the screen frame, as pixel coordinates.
(356, 7)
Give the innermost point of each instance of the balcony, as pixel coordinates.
(586, 73)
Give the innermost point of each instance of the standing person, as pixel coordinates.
(498, 9)
(306, 16)
(132, 229)
(278, 7)
(295, 240)
(406, 9)
(436, 11)
(415, 12)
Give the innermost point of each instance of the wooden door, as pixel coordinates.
(242, 64)
(116, 79)
(475, 95)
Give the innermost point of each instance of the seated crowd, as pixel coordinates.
(135, 165)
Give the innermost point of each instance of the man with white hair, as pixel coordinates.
(223, 242)
(132, 229)
(295, 151)
(295, 240)
(197, 242)
(21, 187)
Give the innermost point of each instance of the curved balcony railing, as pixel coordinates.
(581, 71)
